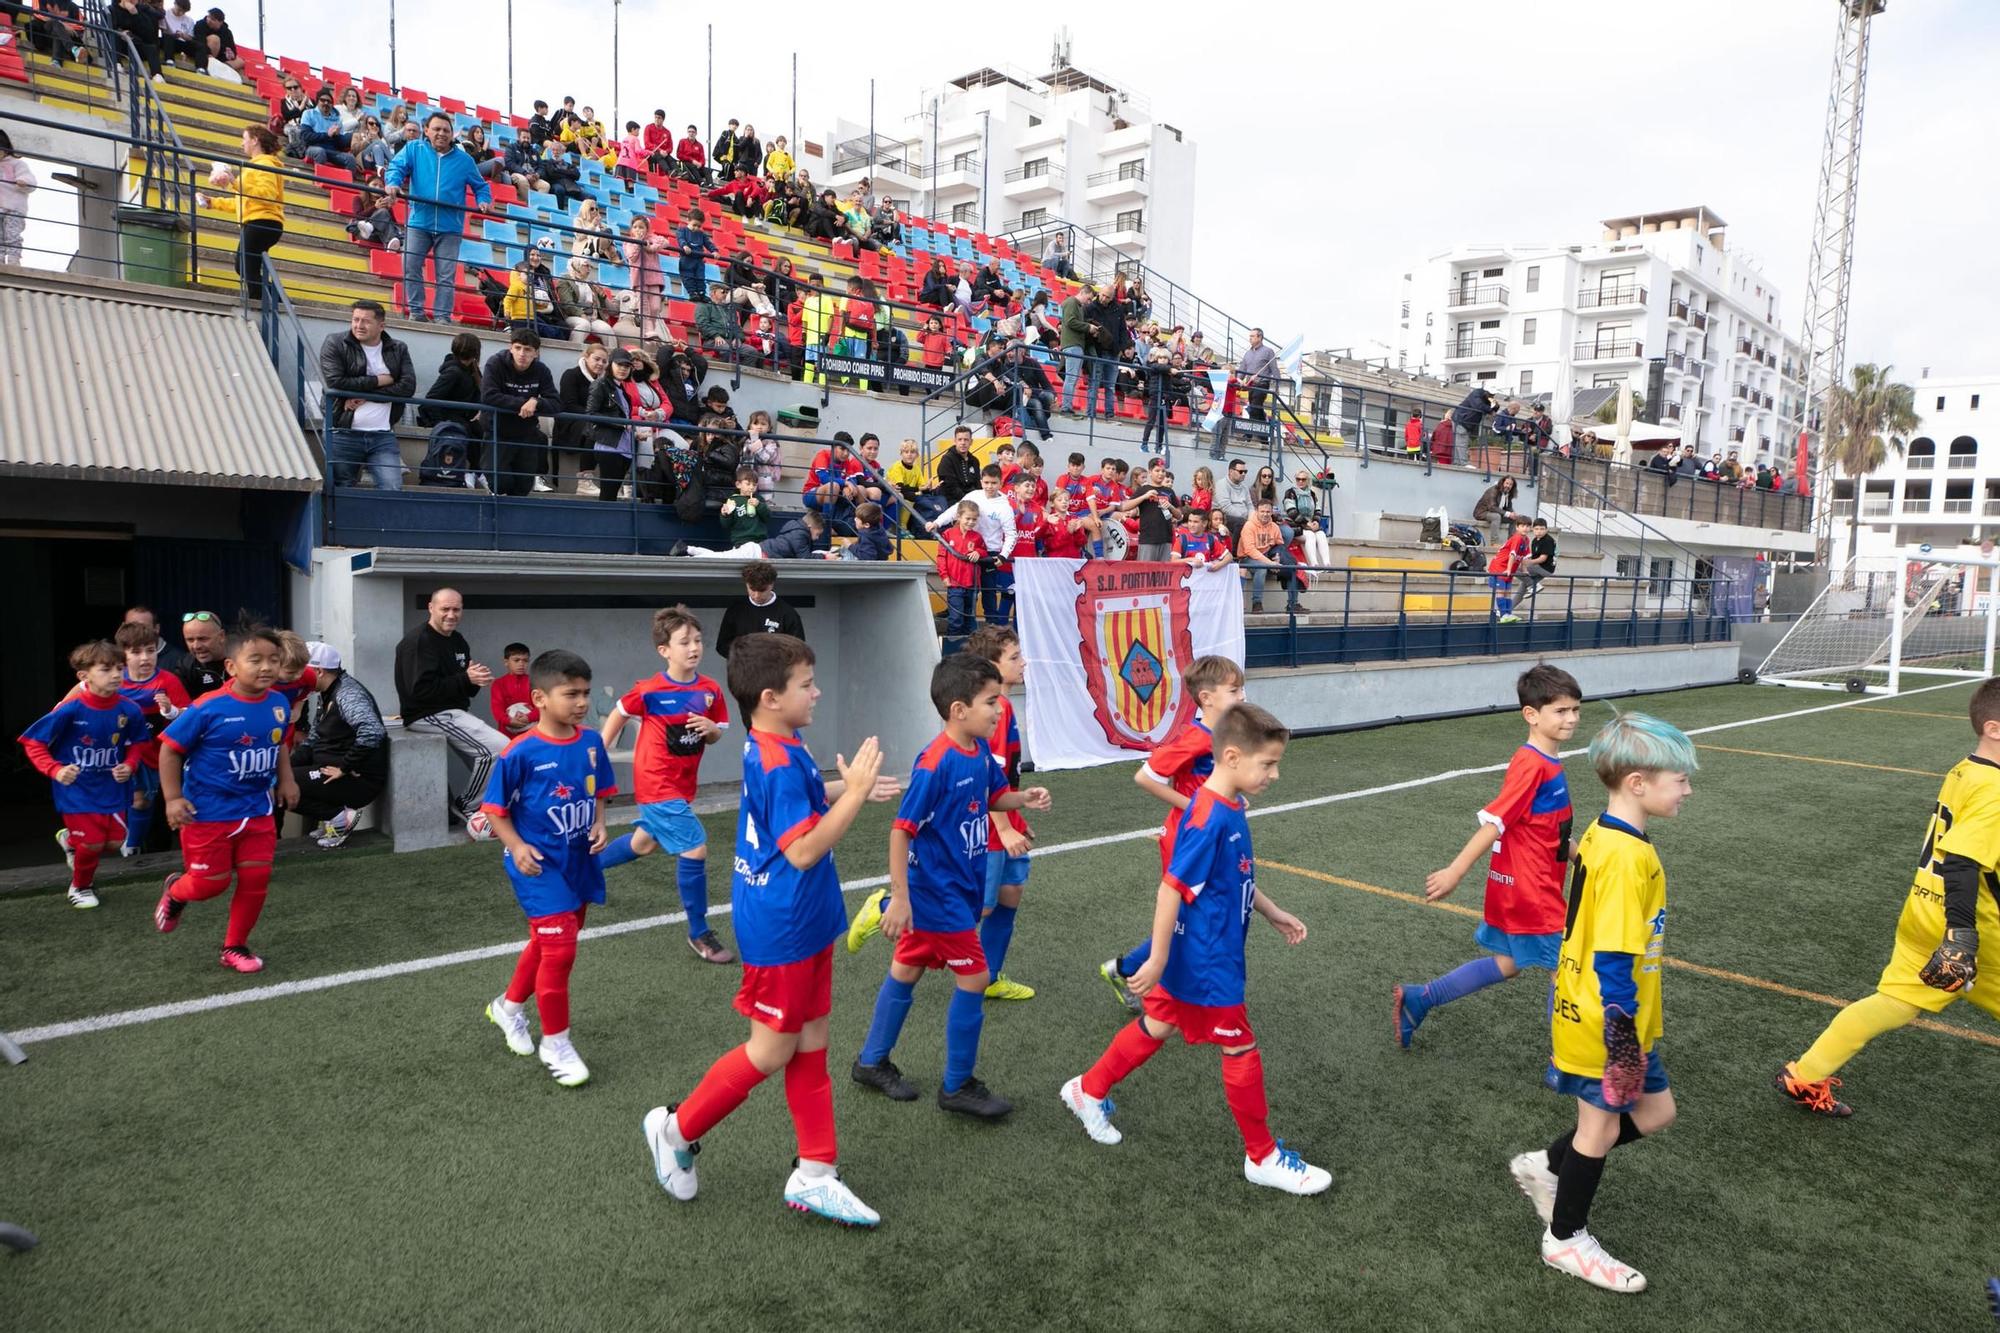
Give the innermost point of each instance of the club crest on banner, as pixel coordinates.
(1134, 639)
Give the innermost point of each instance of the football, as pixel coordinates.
(518, 713)
(220, 175)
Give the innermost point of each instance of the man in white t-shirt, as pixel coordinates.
(365, 360)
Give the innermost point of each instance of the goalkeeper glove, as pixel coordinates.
(1953, 966)
(1624, 1062)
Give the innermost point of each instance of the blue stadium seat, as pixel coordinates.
(475, 252)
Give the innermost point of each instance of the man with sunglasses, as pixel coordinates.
(202, 671)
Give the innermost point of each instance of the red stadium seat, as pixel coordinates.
(375, 87)
(453, 105)
(415, 98)
(504, 193)
(519, 122)
(385, 263)
(337, 175)
(339, 78)
(488, 114)
(342, 201)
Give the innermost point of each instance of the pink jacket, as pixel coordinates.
(643, 258)
(632, 152)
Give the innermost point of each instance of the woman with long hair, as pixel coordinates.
(260, 204)
(649, 279)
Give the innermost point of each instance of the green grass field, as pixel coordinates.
(368, 1154)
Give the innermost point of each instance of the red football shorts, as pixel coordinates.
(1225, 1025)
(957, 950)
(95, 830)
(218, 848)
(787, 997)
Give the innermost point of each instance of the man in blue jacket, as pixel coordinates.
(434, 173)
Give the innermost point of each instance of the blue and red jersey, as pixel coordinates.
(549, 789)
(292, 691)
(783, 914)
(96, 735)
(1215, 873)
(1077, 487)
(1524, 880)
(944, 811)
(1006, 749)
(1027, 526)
(666, 759)
(231, 744)
(824, 472)
(1203, 544)
(145, 693)
(1108, 493)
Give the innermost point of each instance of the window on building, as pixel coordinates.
(1975, 402)
(1489, 324)
(1527, 383)
(1034, 121)
(1132, 219)
(1133, 170)
(1493, 273)
(1940, 403)
(1534, 277)
(962, 161)
(1485, 375)
(1660, 569)
(1461, 378)
(965, 213)
(1034, 217)
(1038, 166)
(1527, 333)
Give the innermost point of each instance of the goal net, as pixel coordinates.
(1883, 617)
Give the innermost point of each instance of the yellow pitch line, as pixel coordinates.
(1908, 712)
(1815, 759)
(1680, 964)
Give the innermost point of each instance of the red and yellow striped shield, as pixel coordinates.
(1135, 643)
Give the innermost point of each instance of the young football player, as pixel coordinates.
(88, 746)
(1526, 827)
(1948, 937)
(1193, 982)
(1604, 1013)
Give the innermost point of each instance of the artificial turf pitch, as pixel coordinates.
(369, 1155)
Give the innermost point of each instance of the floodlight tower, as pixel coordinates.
(1824, 336)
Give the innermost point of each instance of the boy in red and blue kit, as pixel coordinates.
(545, 802)
(220, 763)
(161, 697)
(681, 713)
(1500, 571)
(786, 897)
(1194, 543)
(1194, 981)
(1174, 773)
(1527, 829)
(937, 883)
(87, 746)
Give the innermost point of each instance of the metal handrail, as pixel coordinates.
(1591, 298)
(1048, 171)
(1135, 173)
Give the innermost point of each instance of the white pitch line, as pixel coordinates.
(281, 990)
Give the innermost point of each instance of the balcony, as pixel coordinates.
(959, 176)
(1677, 312)
(1992, 506)
(1699, 319)
(1843, 508)
(1764, 400)
(1917, 505)
(1677, 361)
(1736, 434)
(1921, 462)
(1022, 184)
(1469, 297)
(1962, 462)
(1742, 347)
(1470, 350)
(1608, 351)
(1882, 508)
(1958, 506)
(1118, 185)
(1129, 232)
(1670, 412)
(1624, 296)
(1051, 131)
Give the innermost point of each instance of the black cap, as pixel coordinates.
(622, 357)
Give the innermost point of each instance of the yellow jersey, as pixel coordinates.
(1964, 822)
(1617, 904)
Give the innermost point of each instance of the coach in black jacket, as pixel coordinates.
(520, 390)
(344, 763)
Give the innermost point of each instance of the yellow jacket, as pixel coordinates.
(778, 164)
(260, 195)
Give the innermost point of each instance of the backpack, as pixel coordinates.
(692, 500)
(445, 460)
(494, 294)
(664, 477)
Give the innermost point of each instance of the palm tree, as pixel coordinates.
(1864, 421)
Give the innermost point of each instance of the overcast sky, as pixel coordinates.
(1339, 145)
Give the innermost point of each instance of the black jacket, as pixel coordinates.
(347, 731)
(1112, 337)
(1467, 414)
(343, 368)
(743, 618)
(455, 382)
(683, 403)
(742, 271)
(746, 153)
(607, 399)
(430, 673)
(939, 289)
(504, 388)
(197, 679)
(573, 390)
(985, 283)
(958, 474)
(794, 542)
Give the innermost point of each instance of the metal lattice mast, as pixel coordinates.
(1832, 261)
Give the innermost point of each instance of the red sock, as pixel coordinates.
(721, 1090)
(522, 984)
(253, 882)
(557, 934)
(1128, 1050)
(1243, 1086)
(193, 888)
(84, 873)
(809, 1092)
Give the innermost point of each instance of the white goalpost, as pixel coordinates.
(1882, 617)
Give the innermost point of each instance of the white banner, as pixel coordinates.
(1106, 642)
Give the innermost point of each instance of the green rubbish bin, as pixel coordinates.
(153, 246)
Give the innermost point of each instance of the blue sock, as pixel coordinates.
(617, 852)
(892, 1006)
(961, 1037)
(1135, 960)
(694, 892)
(1505, 604)
(996, 934)
(1460, 982)
(138, 823)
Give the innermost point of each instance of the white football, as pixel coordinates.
(220, 174)
(518, 713)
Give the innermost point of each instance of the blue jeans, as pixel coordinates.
(959, 606)
(996, 595)
(1103, 380)
(1073, 373)
(442, 247)
(348, 451)
(333, 156)
(1287, 571)
(1033, 407)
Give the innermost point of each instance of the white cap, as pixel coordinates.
(322, 656)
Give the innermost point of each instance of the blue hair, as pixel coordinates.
(1640, 743)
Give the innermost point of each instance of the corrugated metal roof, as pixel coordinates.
(103, 384)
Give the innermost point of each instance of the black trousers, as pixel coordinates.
(255, 238)
(321, 797)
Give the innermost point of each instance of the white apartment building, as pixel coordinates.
(1944, 488)
(1004, 151)
(1657, 294)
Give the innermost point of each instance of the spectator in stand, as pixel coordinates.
(1662, 462)
(1259, 371)
(260, 205)
(593, 238)
(562, 124)
(745, 518)
(762, 452)
(648, 278)
(871, 535)
(343, 763)
(1234, 500)
(1040, 324)
(1074, 340)
(141, 23)
(918, 492)
(1302, 511)
(218, 42)
(1539, 563)
(987, 282)
(511, 699)
(778, 163)
(584, 306)
(1732, 467)
(746, 154)
(958, 467)
(695, 246)
(372, 153)
(742, 287)
(436, 679)
(1442, 442)
(581, 128)
(823, 220)
(1541, 430)
(1686, 465)
(690, 159)
(573, 391)
(1413, 434)
(364, 359)
(723, 155)
(1055, 257)
(1468, 415)
(936, 290)
(1158, 374)
(320, 135)
(1111, 345)
(1153, 501)
(804, 538)
(531, 292)
(1034, 396)
(348, 104)
(519, 391)
(612, 394)
(177, 37)
(1495, 509)
(457, 381)
(54, 29)
(1262, 548)
(559, 172)
(492, 166)
(286, 112)
(886, 228)
(435, 174)
(682, 369)
(716, 324)
(1264, 490)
